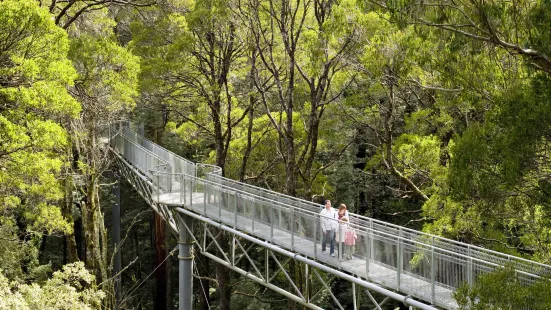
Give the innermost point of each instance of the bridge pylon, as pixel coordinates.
(185, 262)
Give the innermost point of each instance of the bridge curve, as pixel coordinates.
(395, 261)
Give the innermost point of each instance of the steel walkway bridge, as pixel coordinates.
(419, 269)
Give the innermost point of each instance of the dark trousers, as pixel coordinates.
(328, 235)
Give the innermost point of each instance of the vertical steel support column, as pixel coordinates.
(307, 290)
(116, 218)
(185, 258)
(232, 251)
(267, 265)
(354, 304)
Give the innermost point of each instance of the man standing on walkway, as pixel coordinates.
(328, 220)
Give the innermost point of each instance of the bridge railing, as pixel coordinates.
(178, 163)
(413, 255)
(453, 246)
(420, 268)
(143, 160)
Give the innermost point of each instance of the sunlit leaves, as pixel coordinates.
(107, 71)
(72, 288)
(34, 75)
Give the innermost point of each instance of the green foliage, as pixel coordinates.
(108, 72)
(502, 289)
(34, 74)
(71, 288)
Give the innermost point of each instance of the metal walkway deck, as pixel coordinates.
(399, 259)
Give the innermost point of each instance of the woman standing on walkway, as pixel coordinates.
(343, 212)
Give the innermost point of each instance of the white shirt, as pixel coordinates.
(328, 219)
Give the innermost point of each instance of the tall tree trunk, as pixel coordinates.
(223, 276)
(248, 148)
(67, 211)
(168, 264)
(291, 163)
(160, 255)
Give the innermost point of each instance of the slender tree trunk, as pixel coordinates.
(160, 255)
(223, 276)
(67, 210)
(168, 263)
(248, 148)
(291, 164)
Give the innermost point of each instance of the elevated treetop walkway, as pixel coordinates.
(395, 261)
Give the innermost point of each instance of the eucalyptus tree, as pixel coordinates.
(105, 86)
(191, 63)
(303, 49)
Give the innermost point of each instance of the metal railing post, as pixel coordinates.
(219, 195)
(399, 262)
(292, 229)
(469, 267)
(183, 185)
(315, 237)
(235, 210)
(371, 247)
(340, 243)
(206, 195)
(181, 190)
(432, 273)
(367, 242)
(158, 190)
(191, 186)
(253, 213)
(271, 223)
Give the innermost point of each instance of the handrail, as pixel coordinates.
(355, 216)
(406, 240)
(286, 207)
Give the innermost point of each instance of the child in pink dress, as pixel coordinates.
(349, 239)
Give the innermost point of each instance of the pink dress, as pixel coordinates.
(350, 237)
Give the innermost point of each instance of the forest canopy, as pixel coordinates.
(431, 115)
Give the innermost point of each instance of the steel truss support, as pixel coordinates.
(144, 187)
(315, 279)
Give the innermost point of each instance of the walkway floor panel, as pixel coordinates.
(380, 274)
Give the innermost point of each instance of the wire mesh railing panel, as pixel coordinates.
(413, 261)
(179, 164)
